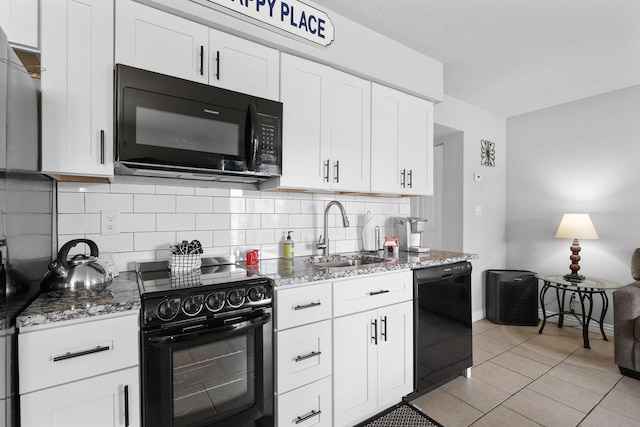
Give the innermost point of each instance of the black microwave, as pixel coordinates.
(166, 126)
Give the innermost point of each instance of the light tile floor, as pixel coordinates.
(522, 378)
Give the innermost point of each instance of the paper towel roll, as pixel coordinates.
(368, 233)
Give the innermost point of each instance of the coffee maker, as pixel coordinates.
(409, 231)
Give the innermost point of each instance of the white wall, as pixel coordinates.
(226, 221)
(483, 234)
(576, 157)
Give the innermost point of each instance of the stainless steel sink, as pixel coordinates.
(350, 262)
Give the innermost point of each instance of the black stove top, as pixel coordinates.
(218, 289)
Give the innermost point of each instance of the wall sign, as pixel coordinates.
(290, 16)
(487, 153)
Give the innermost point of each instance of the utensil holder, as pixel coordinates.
(184, 263)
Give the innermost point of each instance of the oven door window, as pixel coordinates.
(214, 379)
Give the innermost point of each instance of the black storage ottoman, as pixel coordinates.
(511, 297)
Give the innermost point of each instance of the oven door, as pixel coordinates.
(203, 375)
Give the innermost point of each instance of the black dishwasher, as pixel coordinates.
(442, 325)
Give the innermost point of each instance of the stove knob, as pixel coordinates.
(192, 305)
(256, 293)
(168, 309)
(215, 301)
(235, 297)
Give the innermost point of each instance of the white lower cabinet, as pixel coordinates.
(104, 401)
(80, 373)
(307, 406)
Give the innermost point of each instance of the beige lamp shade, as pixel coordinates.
(576, 226)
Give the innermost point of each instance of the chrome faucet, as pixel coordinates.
(323, 242)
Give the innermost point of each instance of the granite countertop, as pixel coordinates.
(301, 269)
(121, 295)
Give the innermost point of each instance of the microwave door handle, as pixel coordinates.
(251, 144)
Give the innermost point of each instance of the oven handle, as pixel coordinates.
(230, 327)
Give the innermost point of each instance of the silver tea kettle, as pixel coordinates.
(78, 273)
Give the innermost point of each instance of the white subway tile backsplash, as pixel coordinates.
(194, 204)
(245, 221)
(154, 203)
(153, 217)
(122, 242)
(70, 203)
(207, 191)
(234, 205)
(131, 222)
(260, 206)
(287, 206)
(275, 220)
(96, 202)
(78, 223)
(260, 236)
(153, 241)
(213, 221)
(229, 237)
(170, 189)
(204, 237)
(175, 222)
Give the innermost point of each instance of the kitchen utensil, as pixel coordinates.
(81, 272)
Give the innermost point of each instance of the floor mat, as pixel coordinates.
(401, 415)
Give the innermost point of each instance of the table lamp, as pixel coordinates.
(576, 226)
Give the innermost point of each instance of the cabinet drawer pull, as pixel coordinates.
(383, 332)
(217, 65)
(307, 356)
(326, 171)
(102, 147)
(381, 291)
(403, 175)
(126, 406)
(374, 335)
(310, 305)
(81, 353)
(201, 60)
(311, 414)
(410, 178)
(337, 169)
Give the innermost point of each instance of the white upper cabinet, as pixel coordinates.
(77, 87)
(401, 143)
(157, 41)
(326, 127)
(243, 66)
(19, 20)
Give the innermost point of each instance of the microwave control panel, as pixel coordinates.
(269, 145)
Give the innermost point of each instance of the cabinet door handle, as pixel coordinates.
(310, 305)
(311, 414)
(337, 169)
(374, 335)
(307, 356)
(410, 178)
(126, 406)
(201, 60)
(81, 353)
(102, 146)
(383, 332)
(381, 291)
(326, 171)
(217, 65)
(403, 178)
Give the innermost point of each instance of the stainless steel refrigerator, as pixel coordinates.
(26, 214)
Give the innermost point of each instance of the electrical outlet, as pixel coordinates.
(110, 222)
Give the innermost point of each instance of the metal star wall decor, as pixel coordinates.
(487, 153)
